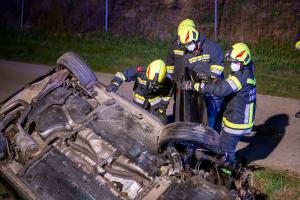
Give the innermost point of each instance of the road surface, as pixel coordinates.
(274, 142)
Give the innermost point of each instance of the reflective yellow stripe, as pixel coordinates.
(198, 58)
(166, 98)
(141, 81)
(251, 114)
(136, 95)
(216, 67)
(170, 68)
(178, 52)
(237, 126)
(138, 98)
(242, 126)
(141, 99)
(251, 81)
(153, 99)
(197, 86)
(236, 82)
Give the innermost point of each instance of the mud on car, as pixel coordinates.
(64, 137)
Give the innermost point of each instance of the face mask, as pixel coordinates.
(235, 66)
(191, 47)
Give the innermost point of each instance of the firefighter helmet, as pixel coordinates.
(239, 52)
(186, 22)
(297, 45)
(156, 71)
(188, 34)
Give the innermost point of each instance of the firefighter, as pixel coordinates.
(175, 55)
(239, 90)
(152, 89)
(176, 51)
(202, 56)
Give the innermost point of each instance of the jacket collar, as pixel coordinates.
(201, 41)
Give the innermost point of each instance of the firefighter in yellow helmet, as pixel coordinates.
(152, 89)
(239, 90)
(200, 56)
(176, 50)
(184, 23)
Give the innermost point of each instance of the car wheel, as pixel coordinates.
(79, 68)
(190, 133)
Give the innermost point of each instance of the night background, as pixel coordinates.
(140, 31)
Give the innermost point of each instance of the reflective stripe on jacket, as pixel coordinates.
(209, 59)
(175, 54)
(142, 95)
(240, 100)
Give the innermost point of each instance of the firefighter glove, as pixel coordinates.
(163, 105)
(112, 87)
(114, 84)
(162, 115)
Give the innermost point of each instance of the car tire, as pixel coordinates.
(79, 68)
(191, 133)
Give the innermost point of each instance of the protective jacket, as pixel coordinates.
(150, 97)
(175, 56)
(209, 59)
(240, 91)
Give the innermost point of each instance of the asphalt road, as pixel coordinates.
(274, 142)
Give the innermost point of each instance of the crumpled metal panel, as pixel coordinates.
(54, 176)
(194, 189)
(115, 125)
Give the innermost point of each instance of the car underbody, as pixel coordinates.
(67, 138)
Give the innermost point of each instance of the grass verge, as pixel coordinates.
(277, 64)
(277, 185)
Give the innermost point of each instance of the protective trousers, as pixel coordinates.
(228, 145)
(214, 104)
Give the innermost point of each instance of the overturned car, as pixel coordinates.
(64, 137)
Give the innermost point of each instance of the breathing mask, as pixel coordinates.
(236, 66)
(191, 46)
